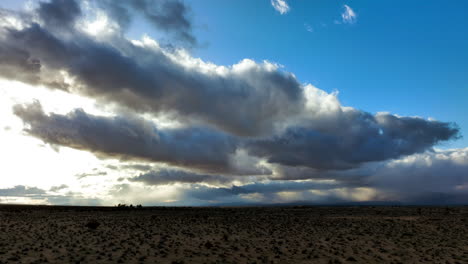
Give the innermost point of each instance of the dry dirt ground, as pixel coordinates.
(32, 234)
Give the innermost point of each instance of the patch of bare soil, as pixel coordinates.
(31, 234)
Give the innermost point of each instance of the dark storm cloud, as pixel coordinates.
(168, 15)
(213, 193)
(59, 13)
(21, 190)
(361, 138)
(130, 138)
(207, 149)
(171, 176)
(18, 64)
(171, 16)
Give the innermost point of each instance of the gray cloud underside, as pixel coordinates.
(357, 138)
(171, 176)
(211, 193)
(59, 13)
(129, 138)
(211, 150)
(197, 194)
(21, 190)
(168, 15)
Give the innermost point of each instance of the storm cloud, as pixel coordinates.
(168, 15)
(129, 138)
(359, 137)
(59, 13)
(171, 176)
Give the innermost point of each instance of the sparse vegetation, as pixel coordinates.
(233, 235)
(125, 206)
(93, 224)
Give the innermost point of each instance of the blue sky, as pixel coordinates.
(405, 57)
(173, 102)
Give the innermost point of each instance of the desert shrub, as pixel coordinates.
(93, 224)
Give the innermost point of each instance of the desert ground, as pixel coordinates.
(364, 234)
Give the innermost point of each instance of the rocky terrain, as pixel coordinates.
(43, 234)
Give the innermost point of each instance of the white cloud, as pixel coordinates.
(308, 27)
(348, 16)
(281, 6)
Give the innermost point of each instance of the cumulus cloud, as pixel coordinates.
(335, 137)
(146, 78)
(129, 138)
(295, 123)
(372, 138)
(348, 16)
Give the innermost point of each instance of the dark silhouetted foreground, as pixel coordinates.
(42, 234)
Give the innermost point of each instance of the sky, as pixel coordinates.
(171, 102)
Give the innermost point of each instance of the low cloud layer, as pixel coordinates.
(423, 177)
(252, 121)
(21, 190)
(171, 176)
(433, 177)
